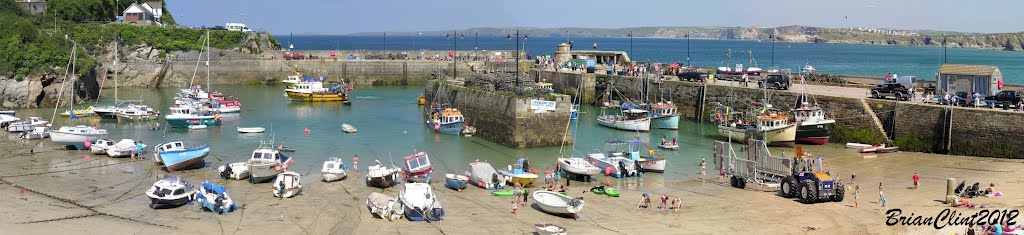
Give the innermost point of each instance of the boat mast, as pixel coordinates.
(116, 81)
(67, 69)
(207, 44)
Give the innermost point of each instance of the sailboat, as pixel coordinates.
(813, 127)
(74, 137)
(125, 109)
(189, 109)
(572, 165)
(444, 119)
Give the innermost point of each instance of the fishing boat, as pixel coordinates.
(136, 112)
(81, 112)
(517, 174)
(333, 170)
(578, 166)
(383, 206)
(292, 79)
(247, 130)
(455, 181)
(234, 171)
(125, 148)
(214, 198)
(631, 120)
(100, 146)
(615, 161)
(74, 137)
(419, 203)
(772, 127)
(813, 127)
(184, 116)
(808, 68)
(348, 128)
(417, 168)
(37, 133)
(446, 120)
(381, 176)
(558, 204)
(550, 229)
(6, 120)
(170, 192)
(315, 92)
(664, 115)
(184, 158)
(167, 146)
(221, 104)
(26, 125)
(266, 163)
(669, 146)
(287, 184)
(483, 175)
(655, 163)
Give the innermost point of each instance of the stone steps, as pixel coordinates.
(874, 118)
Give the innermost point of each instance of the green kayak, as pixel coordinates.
(598, 191)
(507, 192)
(605, 191)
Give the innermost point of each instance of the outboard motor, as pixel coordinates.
(226, 174)
(638, 168)
(622, 169)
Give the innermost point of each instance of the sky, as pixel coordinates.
(347, 16)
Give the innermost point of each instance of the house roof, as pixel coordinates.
(136, 8)
(967, 69)
(155, 5)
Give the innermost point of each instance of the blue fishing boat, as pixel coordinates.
(456, 182)
(183, 158)
(446, 120)
(212, 197)
(664, 115)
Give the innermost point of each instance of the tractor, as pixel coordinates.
(811, 183)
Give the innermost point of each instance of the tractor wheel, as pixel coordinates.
(808, 192)
(732, 181)
(789, 187)
(840, 192)
(741, 183)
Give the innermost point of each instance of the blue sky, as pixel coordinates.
(345, 16)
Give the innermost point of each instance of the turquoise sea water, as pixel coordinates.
(861, 60)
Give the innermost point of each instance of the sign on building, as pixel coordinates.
(542, 106)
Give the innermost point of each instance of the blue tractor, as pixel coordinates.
(811, 183)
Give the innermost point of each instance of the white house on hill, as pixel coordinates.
(149, 13)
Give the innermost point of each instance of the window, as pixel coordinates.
(179, 191)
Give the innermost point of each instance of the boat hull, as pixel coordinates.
(382, 181)
(513, 178)
(184, 159)
(185, 122)
(669, 122)
(556, 204)
(572, 167)
(454, 128)
(263, 173)
(817, 134)
(331, 177)
(417, 214)
(158, 203)
(74, 141)
(312, 97)
(657, 165)
(642, 125)
(782, 137)
(455, 184)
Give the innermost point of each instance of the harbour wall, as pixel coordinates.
(504, 118)
(912, 127)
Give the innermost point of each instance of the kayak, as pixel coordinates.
(606, 191)
(507, 192)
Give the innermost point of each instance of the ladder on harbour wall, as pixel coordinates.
(698, 113)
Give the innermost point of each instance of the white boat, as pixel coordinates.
(773, 128)
(557, 204)
(383, 206)
(170, 192)
(549, 229)
(288, 184)
(348, 128)
(74, 137)
(857, 145)
(6, 120)
(333, 170)
(266, 163)
(26, 125)
(37, 133)
(100, 146)
(246, 130)
(469, 131)
(196, 127)
(621, 161)
(168, 146)
(134, 112)
(483, 175)
(631, 120)
(671, 146)
(234, 171)
(184, 116)
(292, 80)
(808, 68)
(578, 166)
(125, 148)
(419, 203)
(872, 149)
(7, 112)
(381, 176)
(652, 163)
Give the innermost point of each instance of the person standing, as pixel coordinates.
(703, 165)
(856, 195)
(881, 195)
(355, 163)
(917, 180)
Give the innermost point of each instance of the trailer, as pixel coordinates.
(756, 166)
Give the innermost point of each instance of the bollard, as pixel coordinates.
(950, 188)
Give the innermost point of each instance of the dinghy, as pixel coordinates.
(670, 146)
(247, 130)
(183, 158)
(456, 182)
(125, 148)
(25, 125)
(483, 175)
(419, 203)
(348, 128)
(170, 192)
(101, 145)
(549, 229)
(334, 170)
(857, 145)
(469, 131)
(381, 176)
(38, 132)
(872, 148)
(558, 204)
(234, 171)
(578, 166)
(196, 127)
(288, 184)
(212, 197)
(383, 206)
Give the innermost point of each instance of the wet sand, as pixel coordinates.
(74, 192)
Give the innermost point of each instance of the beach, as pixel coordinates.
(75, 192)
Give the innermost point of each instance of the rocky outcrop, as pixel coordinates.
(44, 90)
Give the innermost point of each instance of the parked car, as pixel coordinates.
(692, 75)
(895, 90)
(293, 56)
(775, 81)
(1006, 99)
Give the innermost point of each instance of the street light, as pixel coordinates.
(455, 36)
(631, 43)
(517, 53)
(687, 49)
(943, 48)
(772, 37)
(385, 42)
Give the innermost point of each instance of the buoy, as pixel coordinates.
(277, 168)
(437, 127)
(307, 131)
(460, 190)
(87, 144)
(480, 184)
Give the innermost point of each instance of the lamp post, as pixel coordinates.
(455, 36)
(631, 43)
(772, 37)
(943, 48)
(385, 42)
(517, 53)
(687, 49)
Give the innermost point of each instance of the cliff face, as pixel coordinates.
(44, 90)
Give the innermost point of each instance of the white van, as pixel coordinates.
(909, 82)
(237, 27)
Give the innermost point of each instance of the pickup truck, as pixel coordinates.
(890, 89)
(775, 81)
(1006, 99)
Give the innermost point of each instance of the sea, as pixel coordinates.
(844, 59)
